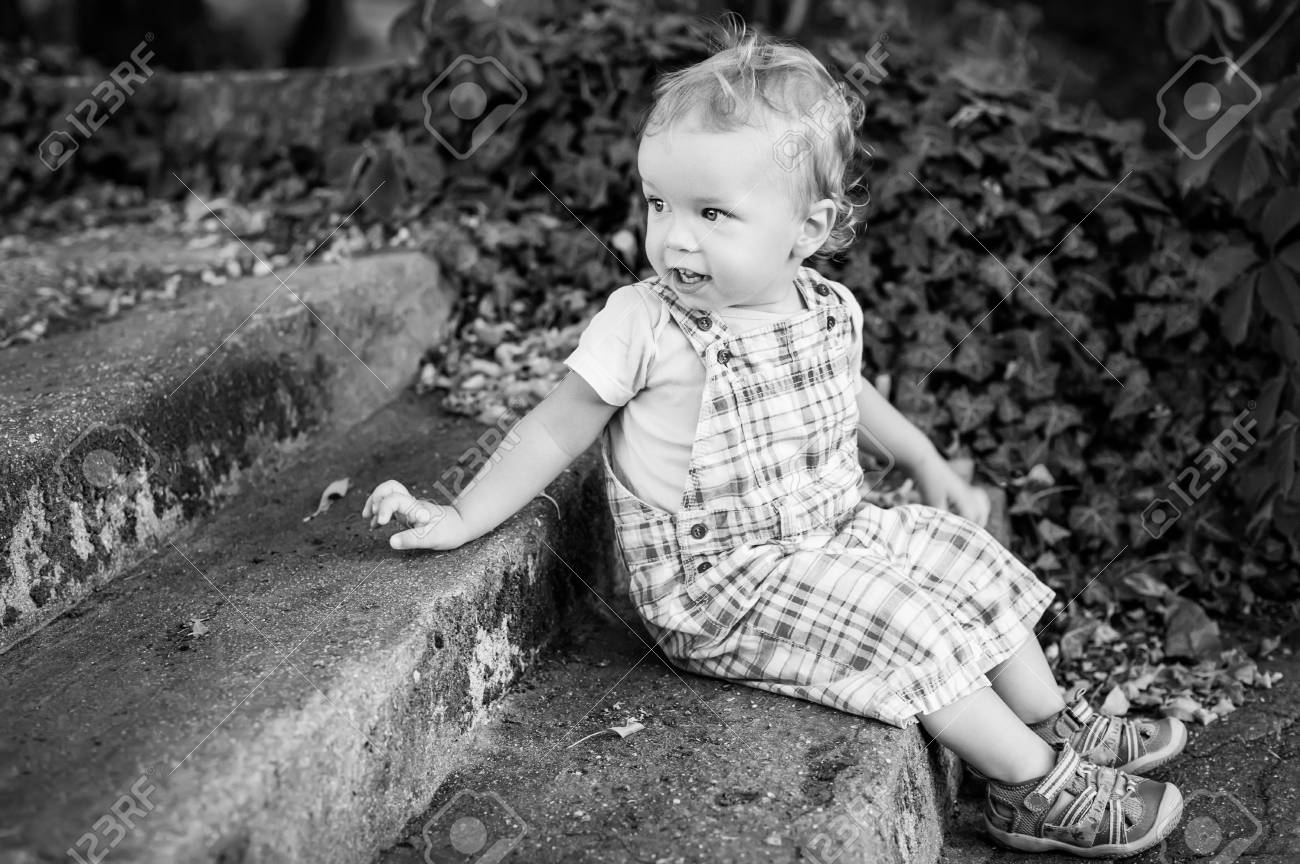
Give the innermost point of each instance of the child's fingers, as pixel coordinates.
(383, 490)
(424, 533)
(396, 502)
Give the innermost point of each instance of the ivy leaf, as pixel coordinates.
(1237, 311)
(1270, 395)
(1053, 417)
(1181, 318)
(1097, 518)
(936, 223)
(1187, 26)
(1050, 532)
(1277, 292)
(1190, 632)
(1133, 398)
(1290, 256)
(1243, 171)
(1221, 267)
(970, 412)
(1281, 215)
(972, 360)
(1231, 16)
(1282, 457)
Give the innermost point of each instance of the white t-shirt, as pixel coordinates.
(634, 355)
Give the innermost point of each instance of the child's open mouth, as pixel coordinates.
(688, 277)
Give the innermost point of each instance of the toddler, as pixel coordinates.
(730, 406)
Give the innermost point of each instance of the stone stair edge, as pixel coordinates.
(295, 780)
(109, 446)
(743, 775)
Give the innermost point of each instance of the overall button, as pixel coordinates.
(724, 357)
(704, 565)
(830, 323)
(698, 531)
(704, 322)
(821, 289)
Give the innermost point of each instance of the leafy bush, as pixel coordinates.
(1244, 198)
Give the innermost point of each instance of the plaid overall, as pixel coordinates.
(776, 574)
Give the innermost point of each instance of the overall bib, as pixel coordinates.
(775, 573)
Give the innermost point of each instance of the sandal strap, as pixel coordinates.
(1098, 805)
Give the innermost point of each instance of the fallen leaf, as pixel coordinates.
(197, 628)
(1116, 703)
(1073, 642)
(1040, 476)
(622, 731)
(1104, 634)
(1224, 707)
(1191, 633)
(1145, 584)
(1244, 672)
(1182, 707)
(335, 490)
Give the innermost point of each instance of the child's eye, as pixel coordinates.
(655, 204)
(707, 210)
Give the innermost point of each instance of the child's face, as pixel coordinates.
(720, 205)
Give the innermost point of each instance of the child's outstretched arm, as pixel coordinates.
(548, 438)
(882, 428)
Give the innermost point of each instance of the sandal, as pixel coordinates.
(1082, 808)
(1134, 746)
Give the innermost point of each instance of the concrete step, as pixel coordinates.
(720, 773)
(265, 689)
(114, 438)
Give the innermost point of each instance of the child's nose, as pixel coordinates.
(680, 236)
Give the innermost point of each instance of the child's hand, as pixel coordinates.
(432, 526)
(941, 486)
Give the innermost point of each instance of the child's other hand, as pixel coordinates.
(941, 486)
(432, 526)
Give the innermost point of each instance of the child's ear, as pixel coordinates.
(816, 228)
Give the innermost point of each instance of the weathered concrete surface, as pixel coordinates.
(323, 704)
(112, 438)
(721, 772)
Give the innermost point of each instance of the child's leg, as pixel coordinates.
(1026, 684)
(987, 734)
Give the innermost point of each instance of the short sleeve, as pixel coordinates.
(618, 347)
(855, 313)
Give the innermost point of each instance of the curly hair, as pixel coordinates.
(756, 81)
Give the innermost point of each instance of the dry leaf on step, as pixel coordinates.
(623, 731)
(335, 490)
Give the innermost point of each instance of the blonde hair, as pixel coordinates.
(752, 79)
